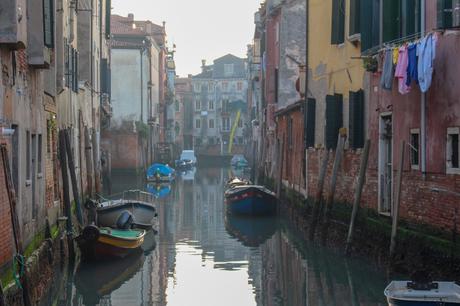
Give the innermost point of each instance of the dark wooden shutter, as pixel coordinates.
(338, 22)
(410, 14)
(370, 24)
(333, 119)
(48, 23)
(108, 13)
(391, 20)
(355, 17)
(104, 75)
(444, 16)
(74, 70)
(69, 67)
(310, 123)
(356, 118)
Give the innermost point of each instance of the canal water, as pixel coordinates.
(202, 257)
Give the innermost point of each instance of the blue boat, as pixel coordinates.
(404, 293)
(160, 173)
(251, 200)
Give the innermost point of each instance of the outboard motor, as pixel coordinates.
(125, 220)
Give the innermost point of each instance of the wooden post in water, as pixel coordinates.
(96, 163)
(15, 222)
(335, 172)
(394, 228)
(89, 163)
(358, 192)
(73, 177)
(279, 186)
(319, 195)
(65, 186)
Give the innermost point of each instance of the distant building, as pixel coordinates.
(184, 111)
(220, 105)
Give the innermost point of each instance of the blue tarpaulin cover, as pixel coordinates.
(164, 170)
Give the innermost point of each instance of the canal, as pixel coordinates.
(202, 257)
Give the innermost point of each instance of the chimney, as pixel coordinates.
(203, 65)
(131, 17)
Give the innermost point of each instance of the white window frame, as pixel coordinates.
(413, 132)
(198, 123)
(213, 123)
(449, 168)
(211, 103)
(198, 105)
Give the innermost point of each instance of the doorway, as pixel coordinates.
(385, 163)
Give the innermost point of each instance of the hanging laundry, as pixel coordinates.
(401, 70)
(386, 81)
(412, 69)
(395, 56)
(426, 52)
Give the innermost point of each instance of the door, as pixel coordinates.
(385, 164)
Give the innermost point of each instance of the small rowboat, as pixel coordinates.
(109, 212)
(251, 200)
(100, 243)
(403, 293)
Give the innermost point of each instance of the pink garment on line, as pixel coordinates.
(401, 70)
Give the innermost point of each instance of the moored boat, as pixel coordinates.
(251, 200)
(109, 212)
(101, 243)
(160, 173)
(404, 293)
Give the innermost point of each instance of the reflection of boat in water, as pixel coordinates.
(94, 280)
(252, 232)
(150, 242)
(159, 191)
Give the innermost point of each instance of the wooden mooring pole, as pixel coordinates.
(279, 186)
(319, 195)
(394, 228)
(73, 177)
(89, 163)
(358, 192)
(335, 172)
(15, 223)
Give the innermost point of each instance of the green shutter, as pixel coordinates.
(310, 123)
(444, 16)
(338, 22)
(333, 119)
(356, 119)
(391, 20)
(355, 17)
(48, 23)
(370, 24)
(108, 12)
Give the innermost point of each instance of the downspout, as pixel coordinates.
(423, 101)
(142, 85)
(307, 36)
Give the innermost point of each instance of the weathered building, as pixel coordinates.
(184, 113)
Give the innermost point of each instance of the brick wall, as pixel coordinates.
(6, 233)
(419, 203)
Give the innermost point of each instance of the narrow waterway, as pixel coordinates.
(202, 257)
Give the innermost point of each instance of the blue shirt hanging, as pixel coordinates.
(412, 71)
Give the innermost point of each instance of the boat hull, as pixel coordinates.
(143, 213)
(396, 302)
(251, 201)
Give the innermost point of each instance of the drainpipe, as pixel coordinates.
(307, 35)
(142, 84)
(423, 101)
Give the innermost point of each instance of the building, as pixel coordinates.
(184, 113)
(220, 106)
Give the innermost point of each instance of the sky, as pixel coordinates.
(201, 29)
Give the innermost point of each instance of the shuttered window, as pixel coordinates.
(338, 22)
(356, 119)
(334, 113)
(68, 66)
(355, 17)
(74, 70)
(108, 12)
(48, 23)
(370, 24)
(104, 75)
(391, 20)
(410, 17)
(444, 16)
(310, 123)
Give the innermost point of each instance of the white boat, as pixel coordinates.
(407, 293)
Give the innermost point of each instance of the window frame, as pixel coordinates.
(449, 150)
(211, 123)
(197, 105)
(414, 149)
(198, 123)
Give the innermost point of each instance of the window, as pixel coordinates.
(211, 123)
(228, 70)
(204, 87)
(338, 22)
(211, 87)
(177, 106)
(239, 86)
(333, 119)
(197, 87)
(311, 123)
(224, 86)
(48, 23)
(198, 123)
(225, 106)
(197, 105)
(108, 13)
(276, 84)
(414, 148)
(356, 119)
(448, 13)
(28, 157)
(39, 154)
(211, 105)
(355, 17)
(226, 124)
(240, 123)
(453, 150)
(75, 70)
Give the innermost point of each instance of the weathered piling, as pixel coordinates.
(89, 163)
(358, 192)
(319, 195)
(73, 177)
(280, 161)
(335, 171)
(394, 227)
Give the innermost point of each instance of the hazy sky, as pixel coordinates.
(201, 29)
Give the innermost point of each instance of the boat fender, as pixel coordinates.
(125, 220)
(91, 233)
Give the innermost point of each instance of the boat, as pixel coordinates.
(94, 280)
(187, 160)
(102, 243)
(253, 200)
(408, 293)
(234, 182)
(251, 232)
(160, 173)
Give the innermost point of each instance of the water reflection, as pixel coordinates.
(202, 257)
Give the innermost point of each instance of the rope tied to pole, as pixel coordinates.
(18, 271)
